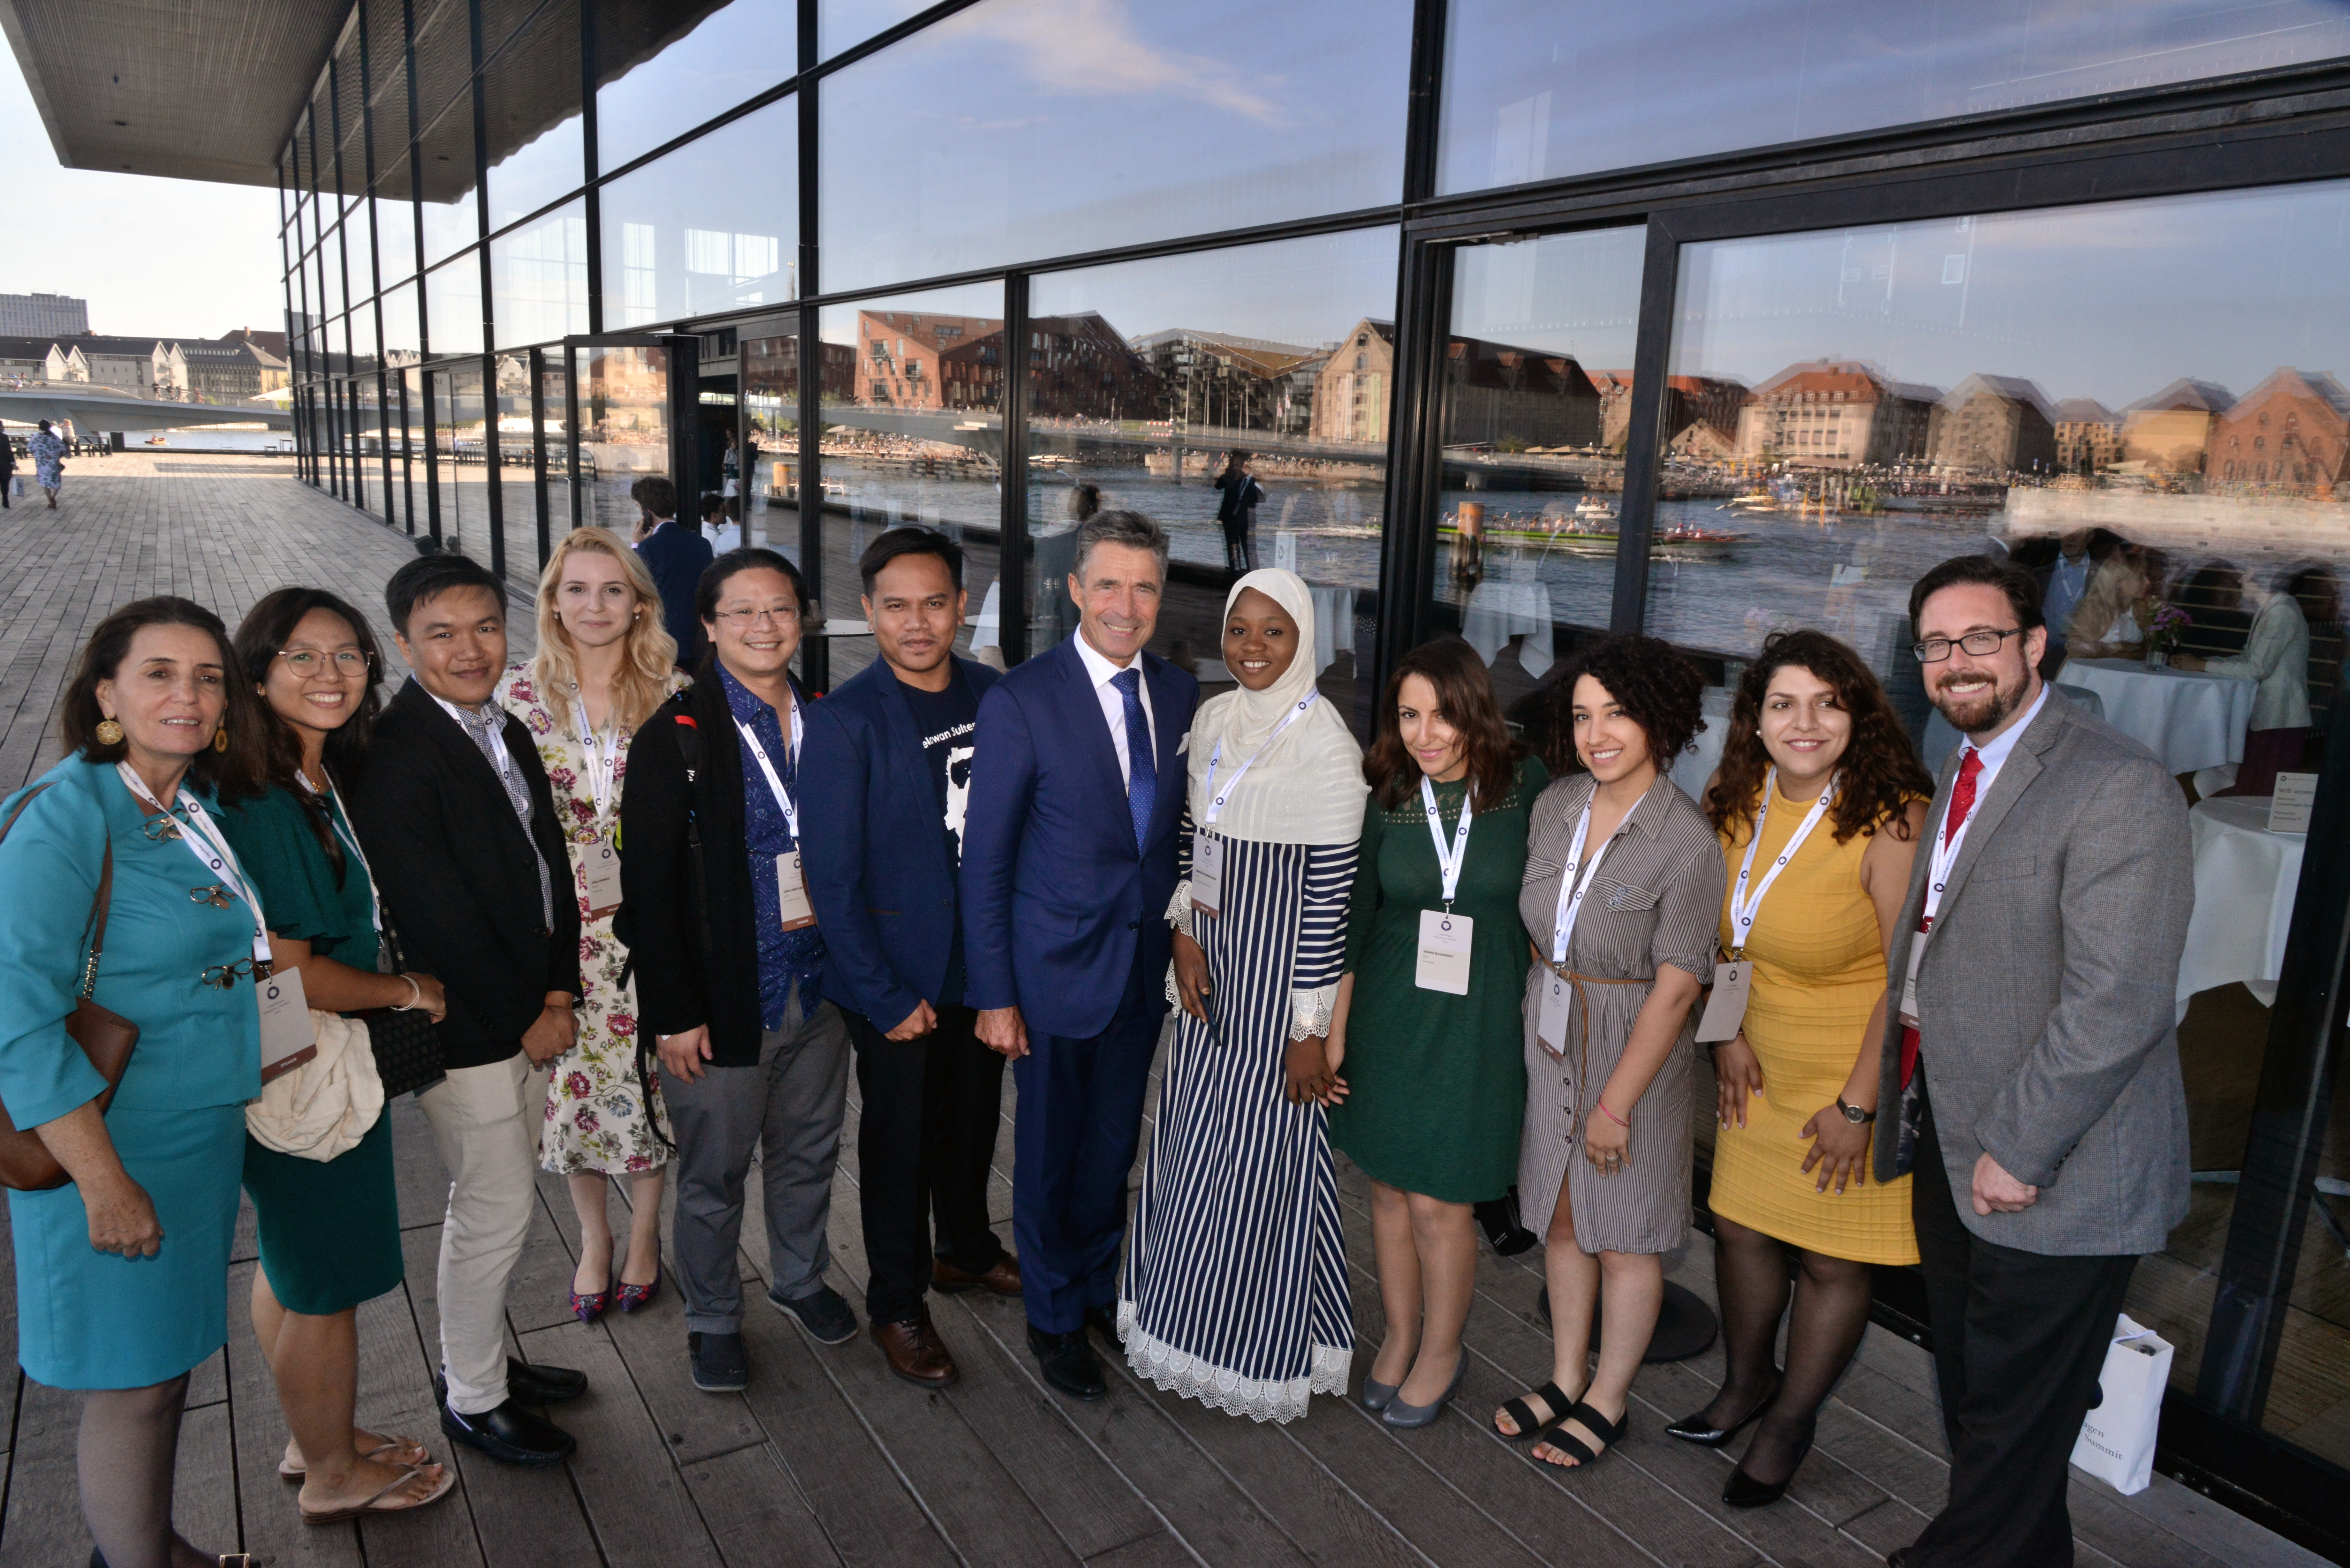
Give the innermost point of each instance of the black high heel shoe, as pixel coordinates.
(1694, 1430)
(1745, 1491)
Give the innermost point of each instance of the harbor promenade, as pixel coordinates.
(827, 1460)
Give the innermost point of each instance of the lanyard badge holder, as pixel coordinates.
(1941, 858)
(1725, 1010)
(1574, 879)
(1207, 848)
(791, 886)
(599, 857)
(1445, 937)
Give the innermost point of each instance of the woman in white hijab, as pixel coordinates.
(1234, 1287)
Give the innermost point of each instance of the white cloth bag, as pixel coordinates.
(322, 1108)
(2117, 1441)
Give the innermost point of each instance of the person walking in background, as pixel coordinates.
(677, 557)
(458, 821)
(889, 753)
(1424, 1030)
(1234, 1291)
(48, 451)
(1819, 803)
(7, 469)
(730, 962)
(2033, 1057)
(2276, 655)
(1622, 880)
(605, 661)
(122, 1274)
(1236, 511)
(1069, 865)
(328, 1230)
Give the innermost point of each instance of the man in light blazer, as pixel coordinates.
(2032, 1055)
(1068, 864)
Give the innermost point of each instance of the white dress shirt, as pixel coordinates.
(1100, 671)
(501, 756)
(1994, 755)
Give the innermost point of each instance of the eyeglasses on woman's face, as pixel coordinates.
(307, 663)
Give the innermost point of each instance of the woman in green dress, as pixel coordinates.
(330, 1230)
(1433, 1088)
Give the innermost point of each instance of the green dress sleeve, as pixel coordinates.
(273, 843)
(1363, 903)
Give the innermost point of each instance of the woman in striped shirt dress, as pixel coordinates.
(1234, 1287)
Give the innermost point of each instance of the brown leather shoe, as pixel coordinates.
(916, 1353)
(1003, 1278)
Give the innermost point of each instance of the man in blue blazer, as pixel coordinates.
(1069, 865)
(677, 557)
(887, 778)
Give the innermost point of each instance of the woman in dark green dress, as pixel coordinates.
(330, 1230)
(1428, 1021)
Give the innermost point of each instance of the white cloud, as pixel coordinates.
(1092, 49)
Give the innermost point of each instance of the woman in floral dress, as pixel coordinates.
(604, 663)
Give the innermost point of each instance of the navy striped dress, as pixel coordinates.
(1234, 1287)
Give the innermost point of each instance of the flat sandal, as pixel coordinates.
(1552, 1396)
(1611, 1433)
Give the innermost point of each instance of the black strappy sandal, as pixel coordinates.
(1518, 1410)
(1608, 1432)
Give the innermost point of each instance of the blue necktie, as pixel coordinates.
(1141, 761)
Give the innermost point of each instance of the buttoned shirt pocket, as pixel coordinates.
(1625, 897)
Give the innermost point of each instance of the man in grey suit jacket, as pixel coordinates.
(2033, 1057)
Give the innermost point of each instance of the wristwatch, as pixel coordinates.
(1854, 1113)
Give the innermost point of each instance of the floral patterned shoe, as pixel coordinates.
(635, 1298)
(590, 1307)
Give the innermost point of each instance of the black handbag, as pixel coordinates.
(409, 1054)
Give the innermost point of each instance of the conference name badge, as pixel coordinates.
(791, 892)
(1909, 985)
(287, 1040)
(602, 863)
(1725, 1013)
(1444, 952)
(1207, 874)
(1557, 1008)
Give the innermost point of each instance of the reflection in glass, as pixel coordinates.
(665, 69)
(452, 306)
(367, 414)
(623, 429)
(844, 24)
(949, 151)
(516, 476)
(2114, 397)
(769, 484)
(450, 212)
(403, 343)
(711, 226)
(538, 277)
(555, 439)
(1146, 377)
(395, 227)
(1518, 104)
(363, 339)
(1537, 383)
(530, 101)
(912, 400)
(461, 460)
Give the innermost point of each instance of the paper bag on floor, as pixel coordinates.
(2117, 1441)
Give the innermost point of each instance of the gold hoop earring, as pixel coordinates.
(108, 733)
(220, 739)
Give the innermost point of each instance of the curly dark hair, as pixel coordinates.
(1657, 686)
(1464, 695)
(1879, 772)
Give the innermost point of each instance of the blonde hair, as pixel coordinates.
(643, 683)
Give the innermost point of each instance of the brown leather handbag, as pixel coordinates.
(105, 1037)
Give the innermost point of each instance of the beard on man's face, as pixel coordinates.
(1990, 695)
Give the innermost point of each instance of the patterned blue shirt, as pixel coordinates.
(784, 956)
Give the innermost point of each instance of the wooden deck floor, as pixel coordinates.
(828, 1459)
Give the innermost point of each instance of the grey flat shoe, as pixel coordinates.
(1407, 1417)
(1376, 1395)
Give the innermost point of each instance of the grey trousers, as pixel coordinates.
(788, 1108)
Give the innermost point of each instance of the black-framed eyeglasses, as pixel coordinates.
(1981, 644)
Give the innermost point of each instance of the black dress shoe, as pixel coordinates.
(1696, 1429)
(536, 1385)
(1068, 1364)
(510, 1434)
(1103, 1320)
(1745, 1491)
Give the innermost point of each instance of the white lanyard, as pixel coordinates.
(1572, 883)
(774, 780)
(1449, 863)
(209, 844)
(1745, 904)
(351, 842)
(1216, 801)
(603, 757)
(1944, 853)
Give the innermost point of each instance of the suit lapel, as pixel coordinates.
(1168, 739)
(467, 758)
(1092, 731)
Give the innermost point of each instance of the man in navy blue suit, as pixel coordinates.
(1068, 864)
(677, 557)
(885, 786)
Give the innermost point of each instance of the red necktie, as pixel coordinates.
(1963, 804)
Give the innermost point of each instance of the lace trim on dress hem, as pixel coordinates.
(1275, 1399)
(1309, 1011)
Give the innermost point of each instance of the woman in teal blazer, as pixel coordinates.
(122, 1275)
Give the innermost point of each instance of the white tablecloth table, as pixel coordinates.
(1334, 624)
(2189, 720)
(2245, 881)
(1498, 611)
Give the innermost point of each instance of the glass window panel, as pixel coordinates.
(768, 356)
(387, 102)
(665, 69)
(1537, 379)
(515, 477)
(2114, 398)
(553, 442)
(538, 274)
(330, 273)
(366, 407)
(530, 98)
(913, 432)
(444, 55)
(1145, 376)
(624, 428)
(1518, 74)
(363, 337)
(403, 343)
(359, 250)
(844, 24)
(395, 226)
(1213, 116)
(452, 306)
(461, 460)
(694, 233)
(444, 163)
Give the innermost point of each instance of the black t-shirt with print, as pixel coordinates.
(943, 724)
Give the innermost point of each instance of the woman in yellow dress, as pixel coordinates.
(1819, 801)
